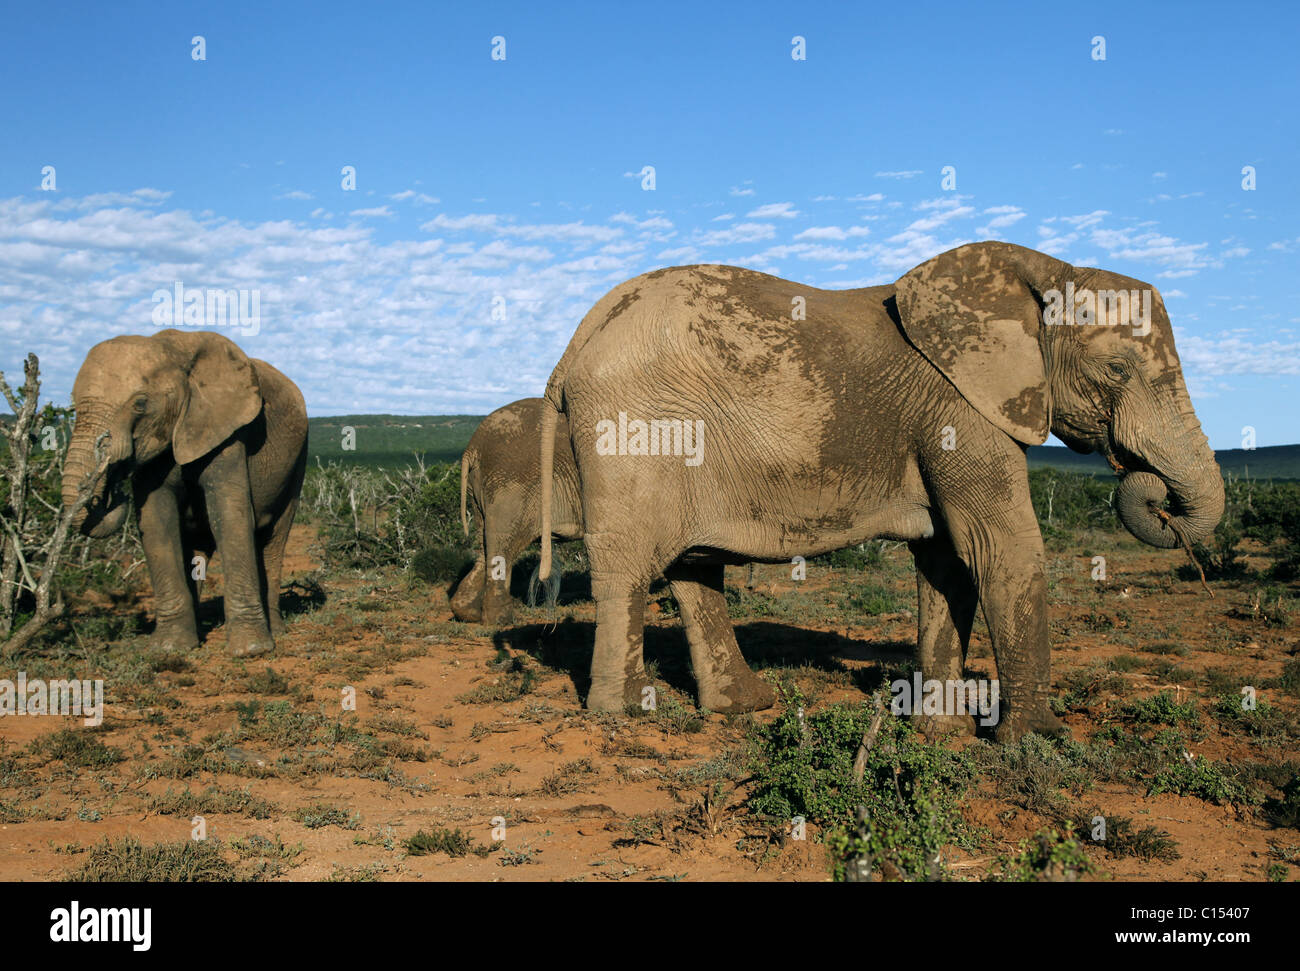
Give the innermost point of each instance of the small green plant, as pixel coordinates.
(1121, 839)
(1047, 857)
(320, 815)
(127, 860)
(1204, 779)
(451, 842)
(520, 857)
(80, 749)
(569, 778)
(1285, 810)
(1161, 709)
(865, 556)
(437, 564)
(903, 809)
(268, 682)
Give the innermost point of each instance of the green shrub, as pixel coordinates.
(1045, 858)
(435, 564)
(904, 810)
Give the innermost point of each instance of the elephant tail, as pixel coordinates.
(549, 419)
(466, 461)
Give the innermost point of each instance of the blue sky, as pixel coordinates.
(520, 179)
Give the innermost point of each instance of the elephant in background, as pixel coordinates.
(900, 411)
(500, 482)
(213, 446)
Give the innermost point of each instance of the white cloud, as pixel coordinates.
(739, 233)
(420, 198)
(832, 232)
(774, 210)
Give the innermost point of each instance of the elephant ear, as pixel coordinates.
(224, 394)
(974, 312)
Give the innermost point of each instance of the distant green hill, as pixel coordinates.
(1272, 462)
(393, 439)
(390, 439)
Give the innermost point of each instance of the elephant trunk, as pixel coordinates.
(94, 519)
(1182, 470)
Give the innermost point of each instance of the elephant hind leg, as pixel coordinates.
(724, 681)
(620, 584)
(272, 565)
(503, 544)
(947, 599)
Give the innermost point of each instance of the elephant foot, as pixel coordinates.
(618, 694)
(467, 614)
(466, 606)
(277, 624)
(744, 691)
(935, 726)
(248, 642)
(1039, 720)
(179, 640)
(498, 616)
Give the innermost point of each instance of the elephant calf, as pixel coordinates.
(213, 446)
(499, 479)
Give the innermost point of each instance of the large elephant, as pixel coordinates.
(826, 418)
(213, 446)
(500, 481)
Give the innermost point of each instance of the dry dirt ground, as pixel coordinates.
(463, 728)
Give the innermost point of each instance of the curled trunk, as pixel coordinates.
(1182, 471)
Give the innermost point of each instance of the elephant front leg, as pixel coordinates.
(1012, 587)
(498, 605)
(946, 599)
(230, 510)
(160, 534)
(724, 681)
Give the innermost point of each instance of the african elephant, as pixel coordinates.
(499, 480)
(820, 419)
(213, 446)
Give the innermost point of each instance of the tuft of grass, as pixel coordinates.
(451, 842)
(212, 801)
(1047, 857)
(517, 679)
(127, 860)
(74, 748)
(1285, 810)
(320, 815)
(1121, 839)
(268, 682)
(569, 778)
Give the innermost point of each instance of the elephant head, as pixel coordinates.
(1035, 344)
(187, 391)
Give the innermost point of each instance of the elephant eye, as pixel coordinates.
(1118, 370)
(140, 404)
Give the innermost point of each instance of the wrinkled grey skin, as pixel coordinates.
(499, 481)
(824, 432)
(213, 446)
